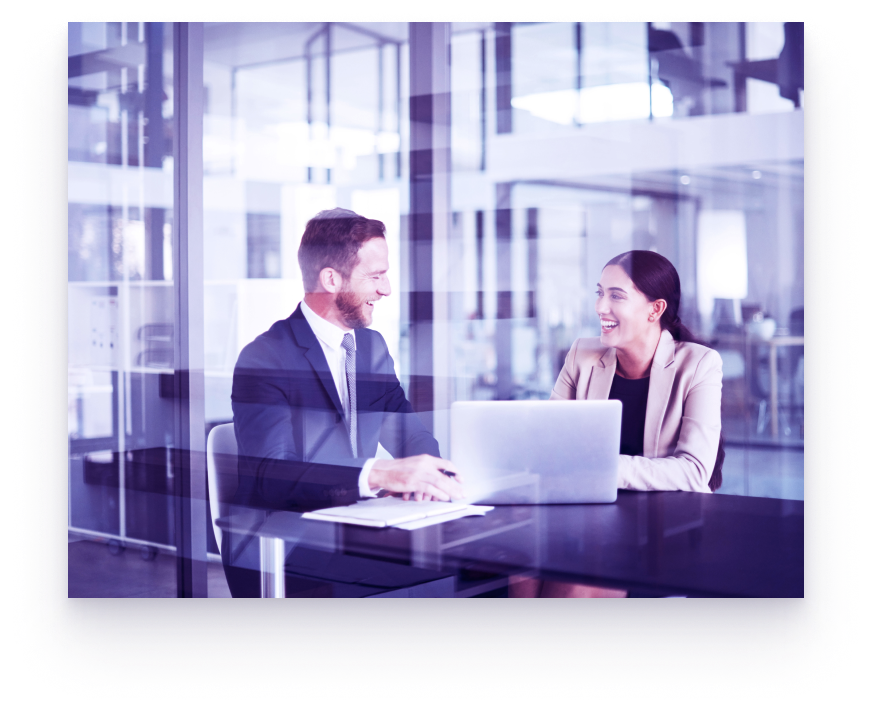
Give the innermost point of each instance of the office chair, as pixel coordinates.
(223, 477)
(221, 451)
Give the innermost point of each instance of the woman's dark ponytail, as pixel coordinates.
(683, 334)
(656, 278)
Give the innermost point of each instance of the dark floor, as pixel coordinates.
(93, 571)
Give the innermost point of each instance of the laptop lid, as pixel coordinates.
(537, 451)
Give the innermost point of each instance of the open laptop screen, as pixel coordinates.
(537, 451)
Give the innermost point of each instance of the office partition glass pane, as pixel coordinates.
(627, 136)
(121, 312)
(299, 117)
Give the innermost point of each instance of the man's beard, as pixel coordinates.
(351, 308)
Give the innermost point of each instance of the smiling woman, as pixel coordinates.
(669, 383)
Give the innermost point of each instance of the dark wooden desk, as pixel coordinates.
(660, 544)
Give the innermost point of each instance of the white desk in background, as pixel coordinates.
(744, 343)
(774, 343)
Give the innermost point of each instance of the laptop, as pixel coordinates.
(537, 451)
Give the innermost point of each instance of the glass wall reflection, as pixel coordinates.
(569, 144)
(575, 142)
(121, 315)
(299, 117)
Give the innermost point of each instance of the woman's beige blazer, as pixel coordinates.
(682, 424)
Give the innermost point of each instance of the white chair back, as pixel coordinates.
(221, 452)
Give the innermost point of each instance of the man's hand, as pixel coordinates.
(418, 476)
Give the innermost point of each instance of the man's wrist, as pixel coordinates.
(364, 482)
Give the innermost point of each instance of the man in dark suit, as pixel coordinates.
(315, 394)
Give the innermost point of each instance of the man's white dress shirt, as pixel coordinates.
(330, 337)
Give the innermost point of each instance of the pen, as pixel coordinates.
(449, 474)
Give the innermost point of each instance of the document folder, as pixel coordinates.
(391, 511)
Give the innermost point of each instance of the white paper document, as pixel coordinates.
(395, 512)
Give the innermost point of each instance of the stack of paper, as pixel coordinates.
(395, 512)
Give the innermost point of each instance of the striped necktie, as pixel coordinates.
(351, 375)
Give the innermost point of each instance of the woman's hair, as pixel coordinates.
(656, 278)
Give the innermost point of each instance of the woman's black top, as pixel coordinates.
(633, 394)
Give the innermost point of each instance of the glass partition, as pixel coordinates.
(121, 308)
(299, 117)
(574, 142)
(509, 163)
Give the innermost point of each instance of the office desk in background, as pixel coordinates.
(660, 544)
(776, 342)
(745, 343)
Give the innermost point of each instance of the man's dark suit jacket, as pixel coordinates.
(294, 447)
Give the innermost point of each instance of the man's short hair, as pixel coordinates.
(332, 239)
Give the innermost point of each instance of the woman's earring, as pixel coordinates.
(651, 318)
